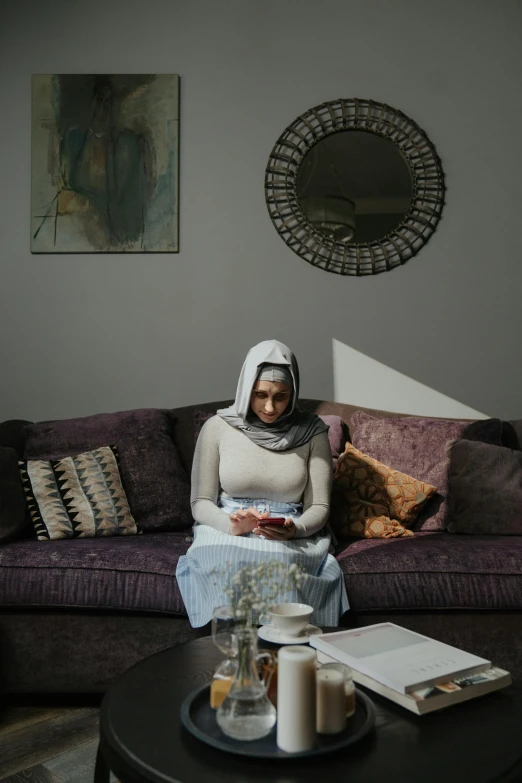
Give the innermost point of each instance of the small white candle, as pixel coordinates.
(331, 702)
(296, 700)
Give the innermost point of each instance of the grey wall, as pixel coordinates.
(86, 333)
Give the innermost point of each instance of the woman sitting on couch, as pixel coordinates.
(262, 458)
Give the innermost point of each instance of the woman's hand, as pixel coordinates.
(277, 532)
(244, 521)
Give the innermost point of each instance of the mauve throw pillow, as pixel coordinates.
(14, 514)
(155, 482)
(485, 489)
(417, 446)
(336, 431)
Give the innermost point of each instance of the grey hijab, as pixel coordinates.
(294, 427)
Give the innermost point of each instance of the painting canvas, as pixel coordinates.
(105, 163)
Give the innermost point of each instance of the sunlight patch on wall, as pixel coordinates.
(360, 380)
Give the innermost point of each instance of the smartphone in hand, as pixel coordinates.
(271, 521)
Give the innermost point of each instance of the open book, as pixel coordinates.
(398, 658)
(435, 697)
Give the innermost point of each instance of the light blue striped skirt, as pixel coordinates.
(202, 591)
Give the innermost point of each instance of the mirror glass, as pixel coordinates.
(354, 186)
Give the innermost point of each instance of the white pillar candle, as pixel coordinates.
(331, 702)
(296, 700)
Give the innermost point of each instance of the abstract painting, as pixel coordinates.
(105, 163)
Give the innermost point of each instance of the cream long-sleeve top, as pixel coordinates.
(226, 460)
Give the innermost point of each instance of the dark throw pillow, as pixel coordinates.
(515, 432)
(485, 431)
(485, 489)
(155, 482)
(77, 497)
(12, 435)
(199, 418)
(14, 515)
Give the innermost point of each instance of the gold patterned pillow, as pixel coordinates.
(77, 497)
(373, 500)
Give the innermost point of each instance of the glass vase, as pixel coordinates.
(246, 712)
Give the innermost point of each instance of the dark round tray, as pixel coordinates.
(200, 719)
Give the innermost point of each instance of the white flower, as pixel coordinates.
(253, 588)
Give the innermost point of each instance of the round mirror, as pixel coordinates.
(354, 187)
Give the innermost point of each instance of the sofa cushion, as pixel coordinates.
(12, 435)
(434, 570)
(77, 497)
(156, 484)
(337, 433)
(485, 489)
(379, 501)
(417, 446)
(200, 418)
(14, 515)
(131, 573)
(515, 443)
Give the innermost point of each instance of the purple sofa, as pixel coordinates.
(74, 614)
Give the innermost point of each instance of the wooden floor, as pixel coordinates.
(48, 743)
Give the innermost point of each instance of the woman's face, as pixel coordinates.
(269, 400)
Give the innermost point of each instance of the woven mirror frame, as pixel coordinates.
(369, 258)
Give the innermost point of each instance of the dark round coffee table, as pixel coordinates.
(142, 739)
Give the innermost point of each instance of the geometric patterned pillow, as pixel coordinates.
(379, 501)
(77, 497)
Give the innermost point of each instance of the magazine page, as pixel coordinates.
(490, 675)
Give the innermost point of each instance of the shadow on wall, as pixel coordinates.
(360, 380)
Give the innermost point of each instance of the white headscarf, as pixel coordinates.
(293, 427)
